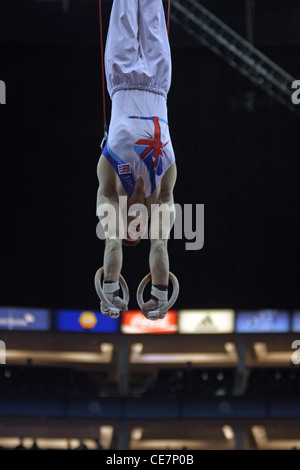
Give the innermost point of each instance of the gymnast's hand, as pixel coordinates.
(150, 310)
(120, 304)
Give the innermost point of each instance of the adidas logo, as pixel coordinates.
(206, 324)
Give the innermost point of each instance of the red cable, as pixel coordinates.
(102, 65)
(169, 17)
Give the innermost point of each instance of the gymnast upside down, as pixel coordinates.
(138, 160)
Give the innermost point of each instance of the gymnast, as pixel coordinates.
(138, 160)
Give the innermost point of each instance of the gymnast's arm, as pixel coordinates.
(159, 257)
(107, 197)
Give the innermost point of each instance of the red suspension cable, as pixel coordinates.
(169, 17)
(103, 75)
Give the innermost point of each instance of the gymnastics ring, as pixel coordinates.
(113, 309)
(160, 312)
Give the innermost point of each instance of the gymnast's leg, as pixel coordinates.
(137, 53)
(122, 51)
(154, 44)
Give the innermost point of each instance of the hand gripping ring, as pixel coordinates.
(160, 312)
(101, 294)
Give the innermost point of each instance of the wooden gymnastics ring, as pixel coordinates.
(102, 296)
(160, 312)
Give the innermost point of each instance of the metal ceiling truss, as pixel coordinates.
(239, 53)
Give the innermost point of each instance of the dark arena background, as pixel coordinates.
(222, 370)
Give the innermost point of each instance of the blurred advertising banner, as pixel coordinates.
(134, 322)
(262, 321)
(29, 319)
(296, 322)
(205, 321)
(70, 320)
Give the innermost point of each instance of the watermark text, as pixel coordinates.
(2, 92)
(296, 94)
(2, 352)
(296, 354)
(119, 222)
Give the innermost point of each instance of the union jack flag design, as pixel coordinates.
(151, 146)
(124, 169)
